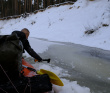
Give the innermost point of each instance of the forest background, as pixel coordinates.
(18, 7)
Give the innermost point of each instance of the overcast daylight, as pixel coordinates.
(69, 39)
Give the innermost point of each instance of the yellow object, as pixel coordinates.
(53, 77)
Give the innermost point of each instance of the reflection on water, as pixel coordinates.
(89, 66)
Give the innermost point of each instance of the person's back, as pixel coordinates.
(8, 54)
(23, 36)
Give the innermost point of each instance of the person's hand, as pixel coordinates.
(48, 60)
(38, 60)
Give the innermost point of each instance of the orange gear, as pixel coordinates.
(26, 72)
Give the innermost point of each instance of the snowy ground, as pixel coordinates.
(67, 24)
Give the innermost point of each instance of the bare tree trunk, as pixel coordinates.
(37, 4)
(2, 8)
(48, 3)
(51, 2)
(16, 7)
(12, 8)
(19, 6)
(44, 3)
(24, 5)
(31, 5)
(34, 5)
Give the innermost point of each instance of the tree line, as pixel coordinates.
(17, 7)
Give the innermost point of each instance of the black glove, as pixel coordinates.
(40, 60)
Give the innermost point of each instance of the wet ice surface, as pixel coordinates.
(80, 68)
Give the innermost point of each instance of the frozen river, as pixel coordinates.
(90, 67)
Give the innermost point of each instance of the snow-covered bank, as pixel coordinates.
(68, 23)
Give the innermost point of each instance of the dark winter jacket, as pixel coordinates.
(26, 45)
